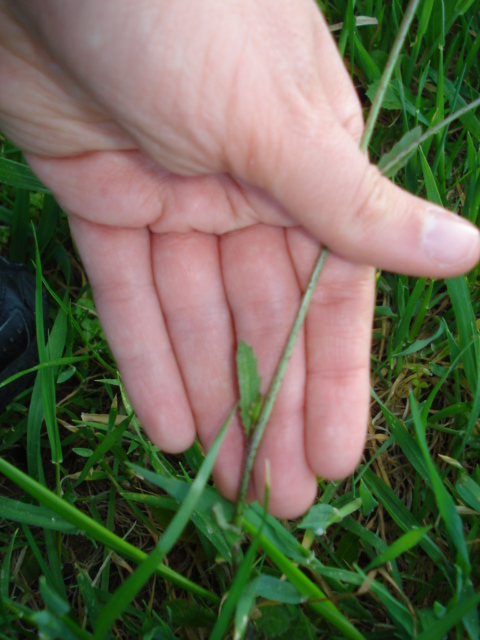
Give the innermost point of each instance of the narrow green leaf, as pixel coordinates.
(368, 501)
(46, 375)
(235, 593)
(19, 176)
(366, 62)
(463, 5)
(466, 327)
(433, 193)
(321, 516)
(244, 608)
(403, 544)
(5, 570)
(446, 506)
(249, 385)
(33, 516)
(83, 452)
(402, 330)
(272, 588)
(401, 515)
(53, 601)
(50, 627)
(104, 446)
(89, 596)
(469, 492)
(424, 18)
(397, 611)
(400, 153)
(439, 629)
(418, 345)
(406, 442)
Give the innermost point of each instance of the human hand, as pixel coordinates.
(204, 153)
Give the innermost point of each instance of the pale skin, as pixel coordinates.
(204, 152)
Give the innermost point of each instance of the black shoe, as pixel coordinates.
(18, 343)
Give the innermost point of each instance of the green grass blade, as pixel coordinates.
(20, 228)
(20, 176)
(132, 585)
(397, 611)
(39, 555)
(249, 384)
(235, 592)
(407, 317)
(397, 160)
(439, 629)
(92, 604)
(320, 603)
(46, 375)
(5, 574)
(272, 588)
(405, 441)
(387, 74)
(446, 506)
(33, 516)
(403, 544)
(466, 327)
(402, 516)
(93, 528)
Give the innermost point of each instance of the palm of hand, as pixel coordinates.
(178, 292)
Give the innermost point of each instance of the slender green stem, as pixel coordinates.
(266, 410)
(431, 132)
(387, 74)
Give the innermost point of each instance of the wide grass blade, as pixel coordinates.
(20, 176)
(24, 513)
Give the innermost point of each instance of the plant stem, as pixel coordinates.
(431, 132)
(266, 410)
(387, 74)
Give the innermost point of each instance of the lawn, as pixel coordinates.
(102, 535)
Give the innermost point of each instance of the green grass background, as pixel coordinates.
(102, 535)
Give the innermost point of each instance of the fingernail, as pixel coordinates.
(447, 238)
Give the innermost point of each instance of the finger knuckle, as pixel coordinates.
(369, 200)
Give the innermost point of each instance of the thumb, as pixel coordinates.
(318, 173)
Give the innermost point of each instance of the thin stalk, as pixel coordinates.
(266, 410)
(431, 132)
(387, 74)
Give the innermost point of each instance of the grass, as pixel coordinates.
(89, 507)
